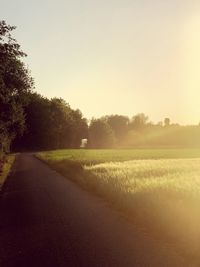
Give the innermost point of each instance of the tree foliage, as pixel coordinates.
(119, 125)
(51, 124)
(101, 135)
(139, 121)
(15, 82)
(167, 122)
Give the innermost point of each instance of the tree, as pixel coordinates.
(79, 128)
(119, 125)
(139, 121)
(61, 123)
(167, 122)
(38, 124)
(101, 134)
(51, 124)
(15, 82)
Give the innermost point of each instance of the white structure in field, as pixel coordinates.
(83, 143)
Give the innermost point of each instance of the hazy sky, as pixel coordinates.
(113, 56)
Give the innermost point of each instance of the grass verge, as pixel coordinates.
(6, 162)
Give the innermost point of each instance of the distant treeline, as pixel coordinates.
(29, 121)
(123, 132)
(52, 124)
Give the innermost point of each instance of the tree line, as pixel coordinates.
(117, 131)
(29, 121)
(50, 124)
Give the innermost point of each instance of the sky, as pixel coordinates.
(113, 56)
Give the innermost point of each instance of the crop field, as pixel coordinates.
(94, 156)
(159, 190)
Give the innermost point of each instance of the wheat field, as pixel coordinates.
(158, 193)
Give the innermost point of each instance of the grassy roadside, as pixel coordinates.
(6, 162)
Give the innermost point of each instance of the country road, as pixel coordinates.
(47, 221)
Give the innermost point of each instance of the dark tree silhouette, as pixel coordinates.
(166, 122)
(101, 135)
(119, 125)
(15, 82)
(139, 121)
(51, 124)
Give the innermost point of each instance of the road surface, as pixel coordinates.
(47, 221)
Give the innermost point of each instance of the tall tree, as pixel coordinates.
(80, 128)
(101, 135)
(139, 121)
(51, 124)
(119, 124)
(68, 125)
(166, 122)
(15, 82)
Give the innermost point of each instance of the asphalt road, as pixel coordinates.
(47, 221)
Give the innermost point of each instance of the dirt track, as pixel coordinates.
(45, 220)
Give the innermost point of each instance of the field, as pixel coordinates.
(92, 156)
(159, 190)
